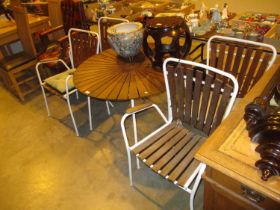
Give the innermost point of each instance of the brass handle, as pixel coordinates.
(252, 195)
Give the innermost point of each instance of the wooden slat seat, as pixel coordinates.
(170, 152)
(199, 98)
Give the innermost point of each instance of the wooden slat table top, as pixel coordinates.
(108, 77)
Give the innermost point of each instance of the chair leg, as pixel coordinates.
(77, 95)
(196, 184)
(108, 108)
(72, 116)
(135, 131)
(16, 86)
(89, 113)
(45, 99)
(129, 167)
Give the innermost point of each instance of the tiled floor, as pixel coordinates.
(43, 165)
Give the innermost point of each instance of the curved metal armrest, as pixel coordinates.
(135, 110)
(45, 62)
(143, 107)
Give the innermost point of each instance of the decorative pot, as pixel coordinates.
(172, 29)
(126, 38)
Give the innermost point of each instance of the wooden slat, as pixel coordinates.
(180, 92)
(213, 105)
(157, 144)
(188, 94)
(244, 67)
(172, 88)
(166, 147)
(251, 72)
(213, 55)
(237, 60)
(185, 161)
(172, 153)
(222, 107)
(204, 102)
(176, 160)
(262, 67)
(229, 59)
(222, 50)
(196, 97)
(188, 172)
(146, 144)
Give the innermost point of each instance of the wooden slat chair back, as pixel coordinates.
(83, 44)
(103, 24)
(246, 60)
(197, 103)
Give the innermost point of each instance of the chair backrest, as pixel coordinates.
(73, 15)
(83, 44)
(23, 30)
(246, 60)
(196, 95)
(103, 24)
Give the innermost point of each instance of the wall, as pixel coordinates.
(239, 6)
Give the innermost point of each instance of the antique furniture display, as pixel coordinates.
(126, 38)
(193, 114)
(246, 60)
(83, 44)
(173, 28)
(232, 181)
(17, 69)
(103, 24)
(8, 29)
(262, 118)
(263, 125)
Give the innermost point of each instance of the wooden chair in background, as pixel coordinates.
(83, 44)
(197, 102)
(246, 60)
(17, 69)
(103, 24)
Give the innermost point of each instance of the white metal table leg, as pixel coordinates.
(135, 131)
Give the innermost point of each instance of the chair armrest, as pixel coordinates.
(51, 30)
(46, 62)
(138, 108)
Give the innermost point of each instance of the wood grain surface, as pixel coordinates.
(109, 77)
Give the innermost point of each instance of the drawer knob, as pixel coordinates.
(252, 195)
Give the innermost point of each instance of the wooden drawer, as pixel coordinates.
(223, 192)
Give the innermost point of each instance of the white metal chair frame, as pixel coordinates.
(68, 92)
(197, 173)
(99, 29)
(65, 95)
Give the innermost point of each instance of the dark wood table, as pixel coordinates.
(109, 77)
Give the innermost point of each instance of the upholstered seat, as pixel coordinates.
(58, 81)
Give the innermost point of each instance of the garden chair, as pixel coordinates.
(197, 100)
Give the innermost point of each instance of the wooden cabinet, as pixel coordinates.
(232, 182)
(223, 192)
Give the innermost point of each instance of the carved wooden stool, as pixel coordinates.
(173, 28)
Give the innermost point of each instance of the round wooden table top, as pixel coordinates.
(109, 77)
